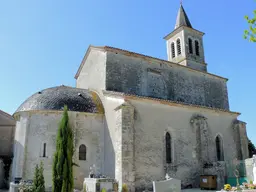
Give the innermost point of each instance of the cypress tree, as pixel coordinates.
(36, 178)
(62, 163)
(41, 187)
(38, 181)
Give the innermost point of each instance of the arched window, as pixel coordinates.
(82, 152)
(197, 48)
(173, 50)
(190, 46)
(168, 141)
(219, 148)
(178, 47)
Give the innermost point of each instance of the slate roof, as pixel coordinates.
(182, 19)
(55, 98)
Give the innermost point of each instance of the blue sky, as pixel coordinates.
(43, 42)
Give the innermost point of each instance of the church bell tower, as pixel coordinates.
(185, 44)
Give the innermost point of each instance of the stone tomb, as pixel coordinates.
(97, 184)
(169, 185)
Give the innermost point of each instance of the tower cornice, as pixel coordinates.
(180, 29)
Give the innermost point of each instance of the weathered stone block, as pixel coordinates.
(170, 185)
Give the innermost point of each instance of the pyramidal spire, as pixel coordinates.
(182, 18)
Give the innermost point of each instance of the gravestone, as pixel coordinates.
(97, 184)
(254, 169)
(169, 185)
(14, 187)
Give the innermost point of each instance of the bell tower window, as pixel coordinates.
(190, 46)
(173, 50)
(197, 48)
(178, 47)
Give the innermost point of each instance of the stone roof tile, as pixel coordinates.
(55, 98)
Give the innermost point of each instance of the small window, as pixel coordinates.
(168, 148)
(82, 152)
(178, 47)
(44, 150)
(173, 50)
(197, 48)
(190, 46)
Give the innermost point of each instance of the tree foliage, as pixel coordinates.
(38, 181)
(62, 164)
(251, 148)
(250, 34)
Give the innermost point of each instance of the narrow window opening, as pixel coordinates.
(197, 48)
(173, 50)
(219, 149)
(82, 152)
(44, 150)
(190, 46)
(178, 47)
(168, 148)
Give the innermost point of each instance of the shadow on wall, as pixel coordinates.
(16, 169)
(5, 170)
(109, 157)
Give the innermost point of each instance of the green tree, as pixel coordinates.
(38, 181)
(251, 32)
(62, 163)
(251, 148)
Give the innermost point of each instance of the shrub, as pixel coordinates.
(25, 187)
(103, 190)
(227, 187)
(124, 188)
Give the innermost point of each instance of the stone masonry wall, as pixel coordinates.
(92, 74)
(125, 170)
(153, 120)
(42, 128)
(6, 140)
(19, 145)
(1, 173)
(127, 135)
(241, 140)
(244, 140)
(194, 36)
(118, 148)
(143, 77)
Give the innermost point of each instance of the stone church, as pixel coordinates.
(137, 117)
